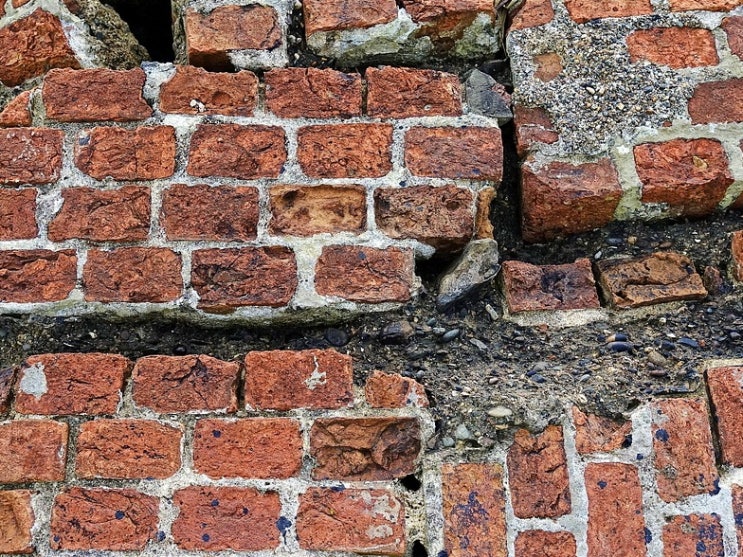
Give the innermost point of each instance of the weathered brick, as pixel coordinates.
(364, 449)
(407, 93)
(697, 534)
(103, 519)
(733, 27)
(7, 380)
(33, 451)
(234, 151)
(440, 216)
(287, 379)
(210, 37)
(585, 10)
(483, 225)
(30, 155)
(545, 544)
(222, 518)
(259, 448)
(594, 434)
(474, 508)
(16, 521)
(532, 14)
(128, 449)
(132, 275)
(363, 274)
(118, 215)
(334, 15)
(17, 113)
(345, 150)
(691, 176)
(737, 496)
(226, 279)
(202, 212)
(736, 249)
(304, 211)
(711, 5)
(196, 91)
(469, 152)
(146, 153)
(549, 287)
(538, 474)
(170, 384)
(31, 46)
(52, 384)
(533, 125)
(18, 214)
(725, 386)
(312, 93)
(717, 101)
(676, 47)
(95, 95)
(682, 442)
(390, 390)
(616, 526)
(34, 276)
(548, 66)
(427, 10)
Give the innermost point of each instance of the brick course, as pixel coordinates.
(196, 91)
(34, 451)
(313, 93)
(37, 275)
(18, 214)
(676, 47)
(30, 155)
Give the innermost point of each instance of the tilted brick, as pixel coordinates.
(7, 380)
(407, 93)
(30, 155)
(737, 496)
(16, 521)
(725, 386)
(308, 210)
(532, 14)
(334, 15)
(35, 276)
(736, 248)
(17, 113)
(313, 93)
(18, 214)
(533, 125)
(390, 390)
(33, 451)
(196, 91)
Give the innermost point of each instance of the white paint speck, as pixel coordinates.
(33, 381)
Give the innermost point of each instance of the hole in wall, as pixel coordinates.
(419, 549)
(411, 483)
(151, 23)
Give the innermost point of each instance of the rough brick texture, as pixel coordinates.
(16, 521)
(533, 14)
(28, 276)
(533, 125)
(18, 214)
(737, 495)
(676, 47)
(583, 11)
(313, 93)
(545, 544)
(598, 434)
(407, 93)
(7, 380)
(733, 27)
(33, 451)
(698, 534)
(30, 155)
(304, 211)
(717, 101)
(17, 113)
(736, 247)
(726, 391)
(389, 390)
(713, 5)
(324, 15)
(196, 91)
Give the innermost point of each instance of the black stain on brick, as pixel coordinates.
(206, 537)
(470, 513)
(602, 484)
(442, 554)
(119, 515)
(161, 536)
(283, 524)
(216, 433)
(662, 435)
(338, 488)
(215, 503)
(245, 510)
(648, 536)
(739, 519)
(715, 487)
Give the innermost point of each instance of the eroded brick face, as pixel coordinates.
(697, 534)
(676, 47)
(34, 451)
(390, 390)
(324, 15)
(545, 544)
(733, 27)
(30, 155)
(196, 91)
(406, 93)
(713, 5)
(726, 390)
(736, 247)
(18, 214)
(31, 276)
(717, 101)
(533, 14)
(17, 113)
(16, 521)
(583, 11)
(313, 93)
(304, 211)
(599, 434)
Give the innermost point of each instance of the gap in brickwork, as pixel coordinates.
(151, 22)
(419, 550)
(411, 483)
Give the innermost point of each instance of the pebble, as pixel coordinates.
(657, 358)
(690, 342)
(478, 344)
(500, 412)
(449, 336)
(614, 241)
(336, 337)
(491, 312)
(658, 373)
(179, 350)
(462, 433)
(438, 331)
(396, 333)
(620, 337)
(448, 442)
(621, 346)
(537, 378)
(734, 335)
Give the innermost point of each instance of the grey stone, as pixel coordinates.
(483, 97)
(477, 265)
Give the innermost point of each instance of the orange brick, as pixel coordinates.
(532, 13)
(586, 10)
(533, 125)
(726, 391)
(545, 544)
(736, 248)
(313, 93)
(308, 210)
(196, 91)
(32, 276)
(333, 15)
(30, 155)
(18, 214)
(390, 390)
(16, 521)
(33, 451)
(717, 101)
(676, 47)
(594, 434)
(711, 5)
(17, 113)
(733, 27)
(407, 93)
(697, 534)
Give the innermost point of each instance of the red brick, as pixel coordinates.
(95, 95)
(17, 113)
(736, 249)
(725, 386)
(146, 153)
(286, 379)
(102, 519)
(351, 520)
(364, 449)
(16, 521)
(34, 276)
(428, 10)
(586, 10)
(596, 434)
(53, 384)
(390, 390)
(548, 66)
(545, 544)
(334, 15)
(234, 151)
(345, 150)
(30, 155)
(407, 93)
(676, 47)
(210, 37)
(711, 5)
(196, 91)
(221, 518)
(18, 214)
(682, 442)
(616, 527)
(259, 448)
(313, 93)
(304, 211)
(128, 449)
(33, 451)
(717, 101)
(31, 46)
(119, 215)
(733, 27)
(170, 384)
(471, 153)
(7, 380)
(532, 13)
(474, 507)
(442, 217)
(362, 274)
(533, 125)
(226, 279)
(697, 534)
(538, 474)
(219, 213)
(132, 275)
(737, 493)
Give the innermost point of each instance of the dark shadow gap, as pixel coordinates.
(411, 483)
(419, 550)
(150, 21)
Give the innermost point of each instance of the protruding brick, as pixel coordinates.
(35, 276)
(53, 384)
(594, 434)
(16, 521)
(362, 274)
(286, 379)
(308, 210)
(18, 214)
(334, 15)
(545, 544)
(234, 151)
(532, 14)
(583, 11)
(132, 275)
(95, 95)
(119, 215)
(226, 279)
(533, 125)
(407, 93)
(201, 212)
(736, 249)
(440, 216)
(313, 93)
(616, 527)
(549, 287)
(128, 449)
(364, 449)
(726, 391)
(7, 380)
(33, 451)
(711, 5)
(146, 153)
(697, 534)
(222, 518)
(390, 390)
(717, 101)
(103, 519)
(675, 47)
(538, 474)
(684, 455)
(30, 155)
(469, 152)
(170, 384)
(474, 507)
(249, 448)
(196, 91)
(17, 113)
(345, 150)
(733, 27)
